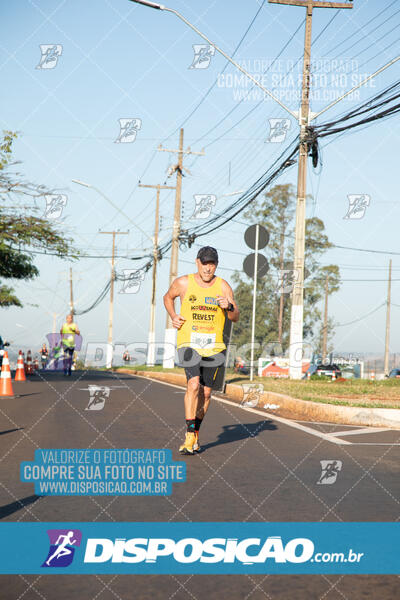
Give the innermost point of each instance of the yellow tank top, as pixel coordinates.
(205, 319)
(68, 335)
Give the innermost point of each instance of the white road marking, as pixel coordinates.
(362, 431)
(376, 443)
(329, 437)
(110, 387)
(326, 436)
(294, 424)
(326, 423)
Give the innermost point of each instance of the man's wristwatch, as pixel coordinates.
(230, 308)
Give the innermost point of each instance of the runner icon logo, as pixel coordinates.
(203, 205)
(55, 204)
(128, 130)
(50, 55)
(251, 394)
(286, 281)
(62, 547)
(132, 280)
(278, 129)
(202, 56)
(98, 397)
(358, 204)
(330, 470)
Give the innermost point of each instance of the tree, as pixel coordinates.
(331, 275)
(276, 212)
(22, 232)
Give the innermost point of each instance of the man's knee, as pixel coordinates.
(193, 384)
(207, 393)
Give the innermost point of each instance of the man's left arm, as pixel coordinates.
(227, 302)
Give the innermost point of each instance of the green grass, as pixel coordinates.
(361, 393)
(351, 392)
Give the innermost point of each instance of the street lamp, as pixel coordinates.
(234, 63)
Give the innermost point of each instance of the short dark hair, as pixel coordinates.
(208, 254)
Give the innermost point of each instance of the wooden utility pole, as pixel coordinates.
(296, 322)
(71, 295)
(281, 265)
(152, 335)
(325, 328)
(387, 335)
(111, 311)
(169, 339)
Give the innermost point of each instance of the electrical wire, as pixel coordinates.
(361, 318)
(223, 70)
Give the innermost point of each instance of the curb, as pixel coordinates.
(293, 408)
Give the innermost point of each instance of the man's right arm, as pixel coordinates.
(176, 289)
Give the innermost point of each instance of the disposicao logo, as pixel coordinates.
(191, 550)
(62, 547)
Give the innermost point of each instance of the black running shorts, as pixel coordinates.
(205, 367)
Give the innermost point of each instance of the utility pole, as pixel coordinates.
(281, 265)
(387, 336)
(296, 322)
(152, 336)
(71, 295)
(55, 315)
(111, 311)
(169, 339)
(325, 329)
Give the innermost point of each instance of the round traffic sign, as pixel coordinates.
(262, 265)
(250, 237)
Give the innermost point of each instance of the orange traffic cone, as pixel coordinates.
(5, 378)
(373, 375)
(29, 368)
(333, 375)
(36, 364)
(20, 372)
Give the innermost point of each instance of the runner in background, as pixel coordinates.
(44, 355)
(68, 332)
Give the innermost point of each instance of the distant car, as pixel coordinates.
(328, 370)
(394, 374)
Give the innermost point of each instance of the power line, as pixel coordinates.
(360, 28)
(361, 318)
(223, 70)
(251, 88)
(367, 250)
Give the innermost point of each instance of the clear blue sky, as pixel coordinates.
(121, 60)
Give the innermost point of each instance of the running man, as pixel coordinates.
(206, 301)
(61, 549)
(68, 332)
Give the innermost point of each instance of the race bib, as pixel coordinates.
(202, 340)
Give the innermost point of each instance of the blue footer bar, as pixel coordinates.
(204, 548)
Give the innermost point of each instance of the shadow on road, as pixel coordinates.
(9, 509)
(11, 430)
(240, 431)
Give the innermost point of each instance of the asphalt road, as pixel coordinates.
(253, 467)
